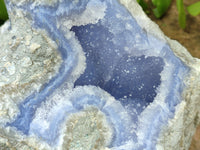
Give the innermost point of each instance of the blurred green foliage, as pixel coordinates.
(161, 7)
(143, 4)
(194, 9)
(181, 13)
(3, 12)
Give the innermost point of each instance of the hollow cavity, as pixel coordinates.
(110, 67)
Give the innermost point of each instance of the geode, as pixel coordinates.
(93, 75)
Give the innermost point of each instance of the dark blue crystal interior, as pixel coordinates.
(111, 68)
(117, 60)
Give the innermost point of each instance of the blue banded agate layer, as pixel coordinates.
(131, 80)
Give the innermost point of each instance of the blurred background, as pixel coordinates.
(169, 24)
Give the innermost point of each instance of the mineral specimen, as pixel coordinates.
(93, 75)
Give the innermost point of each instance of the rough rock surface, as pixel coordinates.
(29, 58)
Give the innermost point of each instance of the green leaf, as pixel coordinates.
(194, 9)
(143, 4)
(161, 7)
(3, 11)
(181, 13)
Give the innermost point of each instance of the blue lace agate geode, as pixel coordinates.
(116, 87)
